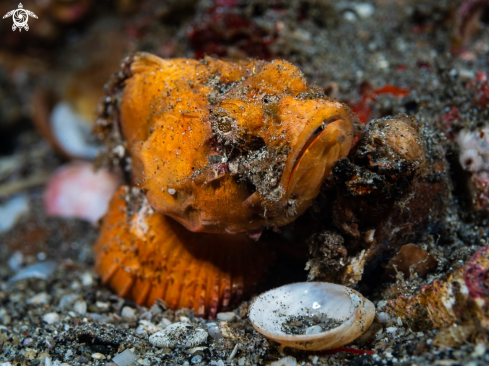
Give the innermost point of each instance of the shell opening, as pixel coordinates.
(350, 314)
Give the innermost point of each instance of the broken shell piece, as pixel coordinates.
(66, 124)
(411, 259)
(178, 333)
(76, 190)
(342, 313)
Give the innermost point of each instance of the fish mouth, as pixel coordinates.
(313, 138)
(329, 141)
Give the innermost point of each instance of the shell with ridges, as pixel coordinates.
(146, 256)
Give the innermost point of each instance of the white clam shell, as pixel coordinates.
(271, 309)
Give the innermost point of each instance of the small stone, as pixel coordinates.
(82, 359)
(214, 331)
(86, 279)
(145, 326)
(67, 300)
(226, 317)
(177, 333)
(12, 210)
(144, 362)
(128, 313)
(125, 358)
(286, 361)
(315, 329)
(97, 356)
(195, 350)
(80, 307)
(479, 350)
(102, 305)
(51, 318)
(391, 330)
(184, 319)
(314, 359)
(196, 359)
(146, 316)
(364, 10)
(242, 361)
(15, 261)
(164, 323)
(40, 270)
(217, 363)
(40, 298)
(155, 309)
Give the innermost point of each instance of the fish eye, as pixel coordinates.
(320, 128)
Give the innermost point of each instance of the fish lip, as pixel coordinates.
(310, 141)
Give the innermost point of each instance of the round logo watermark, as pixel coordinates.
(20, 17)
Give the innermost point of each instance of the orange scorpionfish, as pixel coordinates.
(218, 151)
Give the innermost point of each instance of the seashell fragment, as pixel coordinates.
(76, 190)
(411, 259)
(178, 333)
(342, 313)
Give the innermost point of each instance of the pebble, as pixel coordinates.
(196, 350)
(40, 298)
(314, 359)
(226, 317)
(146, 316)
(315, 329)
(51, 318)
(102, 305)
(196, 359)
(155, 309)
(67, 300)
(479, 350)
(177, 333)
(80, 307)
(82, 359)
(164, 323)
(15, 261)
(86, 279)
(128, 313)
(242, 361)
(184, 319)
(286, 361)
(11, 211)
(40, 270)
(145, 326)
(97, 356)
(217, 363)
(214, 331)
(125, 358)
(364, 10)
